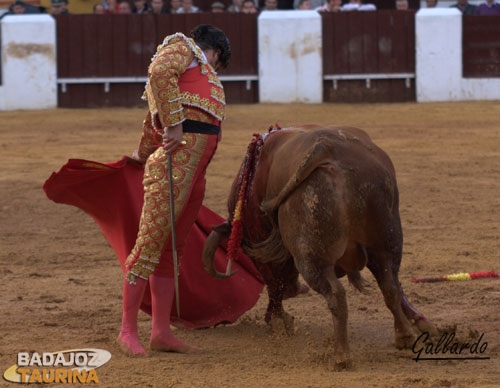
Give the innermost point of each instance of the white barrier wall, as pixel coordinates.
(290, 60)
(438, 60)
(290, 57)
(29, 65)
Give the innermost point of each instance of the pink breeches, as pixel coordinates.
(153, 248)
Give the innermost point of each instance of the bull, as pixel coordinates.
(321, 202)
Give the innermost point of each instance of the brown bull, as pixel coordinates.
(322, 202)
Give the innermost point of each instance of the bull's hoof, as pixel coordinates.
(405, 342)
(340, 364)
(425, 326)
(283, 324)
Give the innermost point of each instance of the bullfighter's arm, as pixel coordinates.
(164, 72)
(163, 93)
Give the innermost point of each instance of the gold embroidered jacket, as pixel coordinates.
(179, 89)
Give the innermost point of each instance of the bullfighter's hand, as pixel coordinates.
(172, 138)
(136, 158)
(129, 262)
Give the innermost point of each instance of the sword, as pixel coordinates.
(174, 237)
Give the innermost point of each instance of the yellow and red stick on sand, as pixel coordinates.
(458, 277)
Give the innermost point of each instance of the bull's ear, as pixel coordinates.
(224, 228)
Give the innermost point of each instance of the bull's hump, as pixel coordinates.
(294, 143)
(342, 132)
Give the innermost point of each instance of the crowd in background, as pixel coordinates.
(488, 7)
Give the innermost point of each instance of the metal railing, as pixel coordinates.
(107, 81)
(368, 77)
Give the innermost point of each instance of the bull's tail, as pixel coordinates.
(315, 157)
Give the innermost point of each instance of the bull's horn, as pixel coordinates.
(228, 267)
(212, 242)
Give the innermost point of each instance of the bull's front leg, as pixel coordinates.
(276, 317)
(278, 280)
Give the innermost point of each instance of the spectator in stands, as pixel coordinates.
(248, 6)
(465, 7)
(98, 9)
(158, 6)
(236, 6)
(402, 5)
(431, 3)
(175, 5)
(285, 4)
(140, 6)
(124, 7)
(110, 6)
(270, 5)
(188, 7)
(19, 7)
(305, 5)
(490, 7)
(217, 7)
(330, 6)
(358, 5)
(59, 7)
(314, 3)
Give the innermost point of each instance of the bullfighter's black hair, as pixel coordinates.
(210, 37)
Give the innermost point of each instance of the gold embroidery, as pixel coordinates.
(181, 157)
(214, 79)
(218, 94)
(168, 63)
(154, 227)
(204, 104)
(178, 175)
(171, 59)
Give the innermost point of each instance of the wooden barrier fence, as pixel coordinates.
(367, 56)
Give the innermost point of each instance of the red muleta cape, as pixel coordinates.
(112, 194)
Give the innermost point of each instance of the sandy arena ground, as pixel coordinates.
(61, 283)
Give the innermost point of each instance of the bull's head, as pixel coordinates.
(238, 196)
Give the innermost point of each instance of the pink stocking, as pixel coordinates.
(162, 296)
(132, 298)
